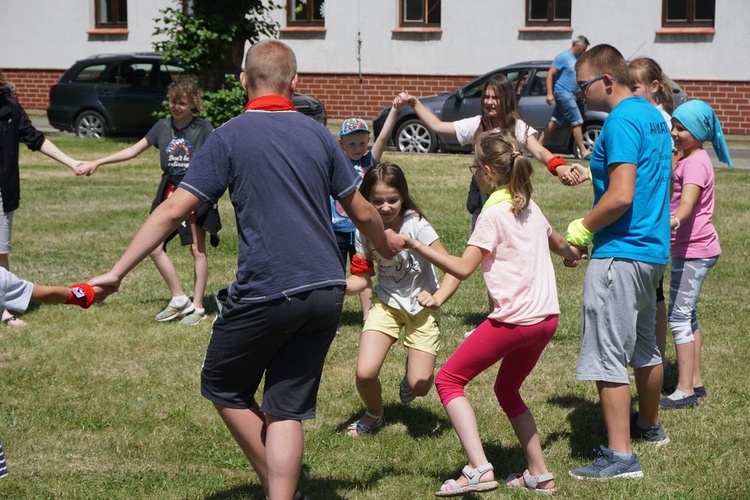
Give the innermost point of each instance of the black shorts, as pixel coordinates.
(286, 340)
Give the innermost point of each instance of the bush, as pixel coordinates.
(223, 105)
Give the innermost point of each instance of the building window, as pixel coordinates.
(305, 13)
(419, 13)
(111, 13)
(690, 13)
(548, 12)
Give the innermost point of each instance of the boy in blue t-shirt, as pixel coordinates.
(629, 228)
(354, 138)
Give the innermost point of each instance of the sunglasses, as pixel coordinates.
(583, 87)
(473, 168)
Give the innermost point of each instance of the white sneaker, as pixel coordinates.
(194, 317)
(175, 310)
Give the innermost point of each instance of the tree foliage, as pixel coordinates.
(210, 41)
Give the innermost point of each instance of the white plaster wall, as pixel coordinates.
(477, 35)
(52, 34)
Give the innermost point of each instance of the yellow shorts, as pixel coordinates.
(421, 331)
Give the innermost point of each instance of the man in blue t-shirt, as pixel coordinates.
(563, 93)
(278, 318)
(629, 228)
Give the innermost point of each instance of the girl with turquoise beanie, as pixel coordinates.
(695, 243)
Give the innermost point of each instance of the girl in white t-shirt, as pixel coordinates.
(512, 242)
(499, 112)
(406, 297)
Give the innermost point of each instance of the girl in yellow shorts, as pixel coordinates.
(406, 297)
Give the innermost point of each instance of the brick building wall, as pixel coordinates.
(344, 95)
(730, 100)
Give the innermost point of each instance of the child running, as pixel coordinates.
(179, 138)
(695, 243)
(406, 296)
(512, 241)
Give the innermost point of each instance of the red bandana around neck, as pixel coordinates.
(270, 103)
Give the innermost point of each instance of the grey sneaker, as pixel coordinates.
(404, 392)
(607, 466)
(173, 311)
(193, 318)
(655, 435)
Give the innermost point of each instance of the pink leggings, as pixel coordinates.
(519, 346)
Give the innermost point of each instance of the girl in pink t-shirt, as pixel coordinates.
(512, 242)
(695, 243)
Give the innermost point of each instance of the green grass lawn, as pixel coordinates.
(105, 403)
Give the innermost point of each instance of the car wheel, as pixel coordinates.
(90, 124)
(590, 135)
(413, 136)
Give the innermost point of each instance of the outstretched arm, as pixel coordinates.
(89, 167)
(378, 147)
(165, 219)
(460, 267)
(448, 286)
(428, 117)
(49, 148)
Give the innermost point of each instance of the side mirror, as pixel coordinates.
(460, 93)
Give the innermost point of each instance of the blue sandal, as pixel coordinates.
(359, 428)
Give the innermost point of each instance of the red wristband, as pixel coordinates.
(361, 266)
(81, 294)
(554, 162)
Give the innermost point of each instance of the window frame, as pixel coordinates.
(690, 22)
(419, 24)
(550, 21)
(308, 21)
(114, 8)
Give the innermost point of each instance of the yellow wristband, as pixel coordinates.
(579, 235)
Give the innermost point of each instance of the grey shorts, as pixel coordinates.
(619, 317)
(6, 224)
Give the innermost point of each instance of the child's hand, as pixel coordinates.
(407, 98)
(86, 168)
(104, 285)
(395, 242)
(574, 255)
(426, 299)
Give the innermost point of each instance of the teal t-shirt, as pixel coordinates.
(636, 133)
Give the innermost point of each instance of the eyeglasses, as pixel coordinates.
(583, 87)
(473, 168)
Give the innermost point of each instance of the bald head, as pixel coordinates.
(270, 68)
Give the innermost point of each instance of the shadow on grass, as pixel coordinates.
(313, 488)
(351, 318)
(587, 430)
(419, 422)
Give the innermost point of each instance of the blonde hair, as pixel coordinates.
(189, 90)
(503, 154)
(645, 70)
